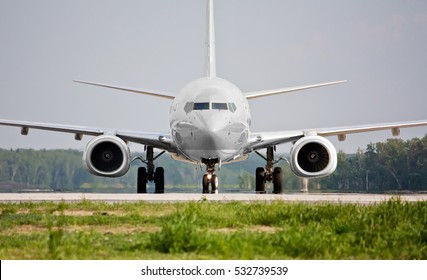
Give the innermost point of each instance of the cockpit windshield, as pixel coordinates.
(198, 106)
(201, 106)
(219, 106)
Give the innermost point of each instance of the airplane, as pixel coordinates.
(210, 124)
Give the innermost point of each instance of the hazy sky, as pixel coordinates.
(379, 46)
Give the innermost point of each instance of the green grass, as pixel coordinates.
(211, 230)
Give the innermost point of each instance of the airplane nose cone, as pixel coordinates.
(214, 126)
(210, 136)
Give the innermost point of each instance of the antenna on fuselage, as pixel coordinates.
(210, 42)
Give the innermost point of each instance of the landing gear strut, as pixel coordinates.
(268, 174)
(150, 173)
(210, 178)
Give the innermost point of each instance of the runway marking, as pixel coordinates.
(225, 197)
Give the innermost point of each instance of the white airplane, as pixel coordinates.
(210, 125)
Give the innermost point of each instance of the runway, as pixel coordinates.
(225, 197)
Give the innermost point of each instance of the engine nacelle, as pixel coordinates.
(313, 157)
(108, 156)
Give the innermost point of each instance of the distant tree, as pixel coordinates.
(246, 181)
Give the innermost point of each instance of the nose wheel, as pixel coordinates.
(210, 180)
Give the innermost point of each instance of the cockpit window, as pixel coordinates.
(188, 107)
(201, 106)
(232, 107)
(219, 106)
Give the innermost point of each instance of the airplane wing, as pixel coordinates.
(258, 94)
(140, 91)
(157, 140)
(263, 140)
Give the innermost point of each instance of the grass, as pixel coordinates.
(212, 230)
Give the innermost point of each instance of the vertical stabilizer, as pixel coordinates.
(210, 41)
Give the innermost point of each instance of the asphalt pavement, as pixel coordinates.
(224, 197)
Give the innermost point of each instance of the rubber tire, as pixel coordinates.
(277, 180)
(159, 180)
(260, 181)
(141, 186)
(214, 184)
(205, 184)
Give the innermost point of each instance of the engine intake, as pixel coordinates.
(108, 156)
(313, 157)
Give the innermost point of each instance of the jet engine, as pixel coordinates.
(108, 156)
(313, 157)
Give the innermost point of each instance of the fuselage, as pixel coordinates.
(210, 120)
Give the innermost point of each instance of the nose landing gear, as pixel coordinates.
(210, 178)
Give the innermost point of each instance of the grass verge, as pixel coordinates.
(212, 230)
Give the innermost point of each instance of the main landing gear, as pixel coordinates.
(210, 178)
(150, 173)
(268, 174)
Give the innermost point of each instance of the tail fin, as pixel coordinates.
(210, 41)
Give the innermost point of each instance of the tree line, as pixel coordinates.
(385, 166)
(394, 165)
